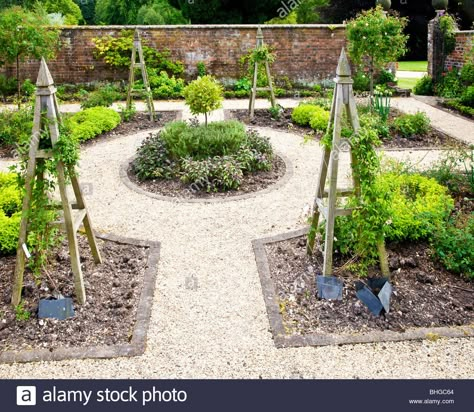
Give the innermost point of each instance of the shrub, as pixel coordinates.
(15, 126)
(418, 205)
(258, 143)
(7, 86)
(243, 84)
(467, 73)
(385, 76)
(303, 114)
(219, 173)
(164, 86)
(320, 119)
(203, 95)
(453, 244)
(450, 85)
(91, 122)
(201, 142)
(105, 97)
(467, 97)
(9, 230)
(424, 86)
(361, 82)
(201, 69)
(408, 125)
(153, 160)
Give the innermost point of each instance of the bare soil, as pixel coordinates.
(113, 290)
(433, 139)
(425, 294)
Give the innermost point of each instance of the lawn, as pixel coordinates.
(413, 66)
(406, 83)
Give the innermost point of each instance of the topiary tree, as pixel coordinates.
(204, 95)
(376, 39)
(23, 35)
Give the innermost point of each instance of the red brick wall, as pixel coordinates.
(464, 42)
(305, 53)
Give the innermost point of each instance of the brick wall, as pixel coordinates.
(464, 42)
(305, 53)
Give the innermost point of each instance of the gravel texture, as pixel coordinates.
(209, 318)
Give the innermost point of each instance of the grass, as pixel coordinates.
(406, 83)
(413, 66)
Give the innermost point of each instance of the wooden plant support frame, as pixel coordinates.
(343, 99)
(137, 47)
(47, 118)
(255, 89)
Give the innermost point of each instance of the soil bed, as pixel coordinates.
(434, 138)
(107, 318)
(425, 294)
(140, 122)
(252, 182)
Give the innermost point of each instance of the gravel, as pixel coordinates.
(209, 318)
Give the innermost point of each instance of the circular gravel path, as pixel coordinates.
(209, 318)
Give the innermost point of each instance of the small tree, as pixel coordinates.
(376, 39)
(204, 95)
(23, 35)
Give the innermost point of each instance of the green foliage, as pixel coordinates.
(7, 86)
(159, 12)
(275, 111)
(203, 142)
(409, 125)
(105, 97)
(221, 173)
(424, 86)
(319, 119)
(153, 159)
(303, 113)
(418, 205)
(163, 86)
(91, 122)
(453, 244)
(9, 229)
(361, 82)
(376, 39)
(116, 52)
(385, 77)
(117, 11)
(467, 74)
(28, 88)
(204, 95)
(67, 8)
(243, 84)
(262, 54)
(10, 213)
(201, 69)
(448, 27)
(450, 85)
(381, 101)
(127, 114)
(15, 126)
(21, 314)
(467, 97)
(212, 158)
(456, 104)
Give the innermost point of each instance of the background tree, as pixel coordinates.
(87, 9)
(160, 12)
(375, 40)
(117, 11)
(23, 35)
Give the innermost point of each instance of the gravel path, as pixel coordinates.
(219, 327)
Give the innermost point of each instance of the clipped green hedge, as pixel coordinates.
(10, 213)
(89, 123)
(419, 205)
(311, 115)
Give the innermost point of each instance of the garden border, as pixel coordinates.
(137, 345)
(283, 340)
(289, 171)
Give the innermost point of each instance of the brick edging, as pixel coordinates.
(282, 340)
(137, 345)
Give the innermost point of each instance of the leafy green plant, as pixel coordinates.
(467, 74)
(303, 113)
(24, 35)
(21, 314)
(450, 84)
(28, 88)
(385, 76)
(163, 86)
(424, 86)
(376, 39)
(361, 81)
(10, 213)
(104, 96)
(409, 125)
(457, 105)
(319, 119)
(15, 126)
(91, 122)
(275, 111)
(453, 243)
(381, 101)
(116, 52)
(9, 229)
(127, 114)
(448, 27)
(204, 95)
(243, 84)
(467, 97)
(201, 69)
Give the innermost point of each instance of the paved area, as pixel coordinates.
(219, 327)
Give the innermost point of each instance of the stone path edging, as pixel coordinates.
(283, 340)
(137, 345)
